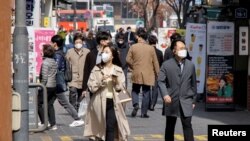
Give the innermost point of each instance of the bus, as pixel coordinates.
(66, 18)
(108, 9)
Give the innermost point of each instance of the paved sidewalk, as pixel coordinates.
(146, 129)
(151, 129)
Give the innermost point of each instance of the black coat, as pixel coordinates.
(168, 54)
(88, 66)
(132, 37)
(91, 43)
(159, 55)
(123, 51)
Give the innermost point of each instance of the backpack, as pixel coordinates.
(68, 69)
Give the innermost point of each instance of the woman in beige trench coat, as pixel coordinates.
(105, 118)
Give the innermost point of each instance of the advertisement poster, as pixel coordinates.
(243, 41)
(220, 38)
(196, 44)
(32, 56)
(164, 38)
(220, 79)
(42, 36)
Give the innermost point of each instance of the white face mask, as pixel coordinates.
(121, 42)
(105, 57)
(78, 46)
(182, 53)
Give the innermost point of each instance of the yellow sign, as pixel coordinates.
(46, 22)
(181, 31)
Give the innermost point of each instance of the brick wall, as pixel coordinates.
(248, 94)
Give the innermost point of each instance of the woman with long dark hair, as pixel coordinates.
(105, 118)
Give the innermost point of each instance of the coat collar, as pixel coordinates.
(117, 69)
(184, 71)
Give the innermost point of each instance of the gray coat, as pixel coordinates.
(48, 72)
(181, 87)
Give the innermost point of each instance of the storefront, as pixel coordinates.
(230, 57)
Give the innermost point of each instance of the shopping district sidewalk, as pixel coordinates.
(147, 129)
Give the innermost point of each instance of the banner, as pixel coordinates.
(220, 38)
(33, 13)
(42, 36)
(32, 55)
(220, 79)
(164, 38)
(243, 40)
(196, 44)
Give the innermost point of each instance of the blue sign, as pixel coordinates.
(240, 13)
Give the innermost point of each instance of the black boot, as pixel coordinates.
(134, 112)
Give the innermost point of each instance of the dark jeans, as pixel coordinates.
(75, 97)
(51, 96)
(111, 122)
(63, 100)
(154, 95)
(186, 125)
(145, 100)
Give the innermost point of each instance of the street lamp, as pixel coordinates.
(74, 19)
(92, 13)
(104, 22)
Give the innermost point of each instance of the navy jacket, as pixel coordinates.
(60, 60)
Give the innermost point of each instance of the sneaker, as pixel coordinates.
(41, 125)
(54, 127)
(77, 123)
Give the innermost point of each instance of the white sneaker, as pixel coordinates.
(53, 127)
(77, 123)
(41, 125)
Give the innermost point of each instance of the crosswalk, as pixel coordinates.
(143, 137)
(160, 137)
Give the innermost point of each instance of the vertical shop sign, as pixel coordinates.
(220, 76)
(196, 44)
(243, 41)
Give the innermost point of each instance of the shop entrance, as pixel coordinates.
(241, 68)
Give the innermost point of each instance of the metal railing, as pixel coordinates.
(35, 87)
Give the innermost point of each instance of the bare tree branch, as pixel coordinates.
(180, 7)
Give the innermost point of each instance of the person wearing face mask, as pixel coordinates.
(105, 81)
(122, 48)
(177, 85)
(168, 54)
(77, 58)
(94, 57)
(130, 36)
(57, 43)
